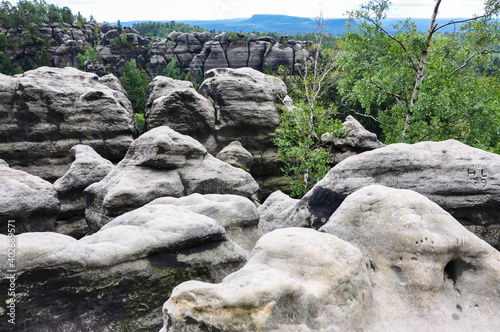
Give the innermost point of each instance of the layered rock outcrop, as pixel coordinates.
(232, 105)
(47, 111)
(461, 179)
(88, 167)
(117, 278)
(27, 202)
(386, 260)
(161, 163)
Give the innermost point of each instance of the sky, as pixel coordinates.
(167, 10)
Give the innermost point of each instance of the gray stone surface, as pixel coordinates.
(237, 214)
(274, 208)
(295, 280)
(161, 163)
(47, 111)
(236, 155)
(461, 179)
(30, 202)
(118, 278)
(177, 104)
(88, 167)
(428, 272)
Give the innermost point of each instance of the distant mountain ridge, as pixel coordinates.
(293, 25)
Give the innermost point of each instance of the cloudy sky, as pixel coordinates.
(166, 10)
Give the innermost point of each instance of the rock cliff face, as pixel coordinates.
(192, 52)
(203, 52)
(45, 112)
(386, 260)
(461, 179)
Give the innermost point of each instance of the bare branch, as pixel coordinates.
(469, 59)
(389, 93)
(462, 21)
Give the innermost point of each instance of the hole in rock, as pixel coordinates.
(454, 269)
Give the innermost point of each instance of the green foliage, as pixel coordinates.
(42, 59)
(135, 81)
(6, 66)
(90, 53)
(119, 27)
(452, 98)
(163, 29)
(33, 12)
(141, 123)
(297, 139)
(172, 70)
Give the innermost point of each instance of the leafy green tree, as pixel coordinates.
(172, 70)
(6, 66)
(422, 85)
(90, 53)
(67, 15)
(305, 160)
(298, 137)
(135, 81)
(42, 58)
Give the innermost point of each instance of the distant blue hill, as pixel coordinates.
(292, 25)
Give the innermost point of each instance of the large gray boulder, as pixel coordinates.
(177, 104)
(276, 207)
(88, 167)
(236, 155)
(160, 163)
(461, 179)
(247, 104)
(118, 278)
(237, 214)
(47, 111)
(428, 272)
(387, 260)
(295, 280)
(29, 202)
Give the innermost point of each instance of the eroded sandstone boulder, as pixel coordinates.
(237, 214)
(274, 208)
(160, 163)
(461, 179)
(117, 278)
(47, 111)
(295, 280)
(88, 167)
(428, 272)
(30, 202)
(177, 104)
(236, 155)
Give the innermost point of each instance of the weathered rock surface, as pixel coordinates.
(428, 272)
(118, 278)
(88, 167)
(247, 104)
(295, 280)
(356, 140)
(461, 179)
(161, 163)
(177, 104)
(236, 155)
(394, 261)
(237, 214)
(29, 201)
(47, 111)
(277, 206)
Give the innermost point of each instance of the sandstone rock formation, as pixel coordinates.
(276, 207)
(393, 261)
(117, 278)
(30, 202)
(160, 163)
(355, 140)
(236, 155)
(295, 280)
(461, 179)
(428, 272)
(237, 214)
(247, 105)
(47, 111)
(88, 167)
(177, 104)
